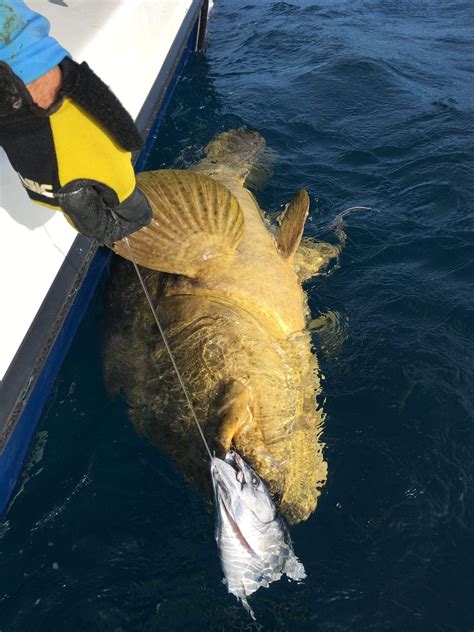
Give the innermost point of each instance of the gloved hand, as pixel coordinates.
(75, 155)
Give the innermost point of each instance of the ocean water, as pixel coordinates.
(365, 103)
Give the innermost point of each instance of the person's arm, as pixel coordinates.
(65, 133)
(25, 44)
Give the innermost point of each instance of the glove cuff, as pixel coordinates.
(84, 87)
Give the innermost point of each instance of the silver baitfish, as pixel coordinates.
(254, 545)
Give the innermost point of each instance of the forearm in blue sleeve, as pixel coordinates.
(25, 43)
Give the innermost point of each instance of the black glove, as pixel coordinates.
(77, 154)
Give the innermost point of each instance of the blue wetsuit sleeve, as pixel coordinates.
(25, 43)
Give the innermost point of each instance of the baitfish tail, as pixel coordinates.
(246, 605)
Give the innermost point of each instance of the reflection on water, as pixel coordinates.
(365, 103)
(331, 330)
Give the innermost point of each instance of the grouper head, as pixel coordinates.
(254, 545)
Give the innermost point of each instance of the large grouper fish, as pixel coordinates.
(227, 286)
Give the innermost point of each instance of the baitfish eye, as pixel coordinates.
(254, 480)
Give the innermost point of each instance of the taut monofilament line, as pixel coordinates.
(167, 346)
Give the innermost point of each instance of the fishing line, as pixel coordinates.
(168, 349)
(338, 226)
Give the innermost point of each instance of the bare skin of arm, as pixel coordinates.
(44, 90)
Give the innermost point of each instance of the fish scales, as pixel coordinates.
(227, 292)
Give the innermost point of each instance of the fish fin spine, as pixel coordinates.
(195, 220)
(292, 224)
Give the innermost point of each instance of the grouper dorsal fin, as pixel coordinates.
(195, 221)
(292, 224)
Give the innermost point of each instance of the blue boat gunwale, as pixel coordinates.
(30, 377)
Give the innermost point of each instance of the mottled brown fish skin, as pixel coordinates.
(236, 323)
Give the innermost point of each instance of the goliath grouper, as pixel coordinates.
(227, 286)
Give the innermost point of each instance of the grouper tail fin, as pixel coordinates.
(195, 221)
(235, 154)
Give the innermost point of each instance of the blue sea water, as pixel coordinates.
(364, 102)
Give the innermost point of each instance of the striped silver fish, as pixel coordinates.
(253, 542)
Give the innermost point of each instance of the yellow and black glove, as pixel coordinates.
(77, 154)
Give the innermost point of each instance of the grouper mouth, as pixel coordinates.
(225, 480)
(222, 475)
(234, 460)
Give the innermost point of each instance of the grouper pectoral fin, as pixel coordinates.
(196, 220)
(232, 410)
(292, 224)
